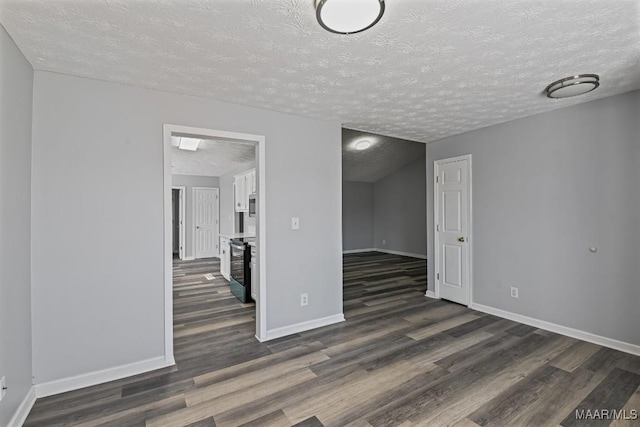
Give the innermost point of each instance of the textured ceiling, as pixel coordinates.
(429, 69)
(385, 156)
(212, 158)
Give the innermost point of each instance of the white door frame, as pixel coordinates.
(193, 218)
(436, 207)
(182, 190)
(261, 240)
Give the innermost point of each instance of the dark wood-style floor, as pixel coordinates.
(400, 359)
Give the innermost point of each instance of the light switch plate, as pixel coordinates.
(295, 223)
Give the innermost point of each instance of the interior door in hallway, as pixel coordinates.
(453, 214)
(206, 213)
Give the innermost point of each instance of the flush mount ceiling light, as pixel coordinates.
(572, 86)
(348, 16)
(363, 145)
(190, 144)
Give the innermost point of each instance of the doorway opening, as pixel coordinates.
(384, 216)
(207, 175)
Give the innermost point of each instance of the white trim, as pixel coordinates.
(301, 327)
(559, 329)
(22, 412)
(189, 258)
(389, 251)
(99, 377)
(261, 304)
(182, 252)
(431, 294)
(436, 250)
(193, 219)
(357, 251)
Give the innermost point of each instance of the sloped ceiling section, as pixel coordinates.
(385, 156)
(429, 69)
(212, 158)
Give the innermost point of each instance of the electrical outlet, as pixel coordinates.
(3, 387)
(514, 292)
(384, 242)
(295, 223)
(304, 300)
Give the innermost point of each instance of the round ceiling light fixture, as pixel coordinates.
(363, 144)
(572, 86)
(348, 16)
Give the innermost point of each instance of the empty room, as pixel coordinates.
(319, 213)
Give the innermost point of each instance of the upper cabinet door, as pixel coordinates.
(244, 185)
(254, 187)
(238, 191)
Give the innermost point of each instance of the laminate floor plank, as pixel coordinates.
(507, 405)
(611, 394)
(575, 356)
(550, 408)
(633, 404)
(400, 359)
(273, 419)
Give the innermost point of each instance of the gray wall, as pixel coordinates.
(16, 89)
(545, 189)
(98, 206)
(357, 215)
(191, 181)
(401, 210)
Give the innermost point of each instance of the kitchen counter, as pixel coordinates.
(237, 235)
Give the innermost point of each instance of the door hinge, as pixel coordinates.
(437, 179)
(438, 276)
(437, 227)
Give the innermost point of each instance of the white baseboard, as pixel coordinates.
(99, 377)
(559, 329)
(357, 251)
(188, 258)
(431, 294)
(386, 251)
(21, 414)
(301, 327)
(389, 251)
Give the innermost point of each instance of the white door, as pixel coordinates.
(205, 208)
(453, 214)
(181, 219)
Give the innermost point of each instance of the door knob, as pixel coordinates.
(461, 239)
(197, 226)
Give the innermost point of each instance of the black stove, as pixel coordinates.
(240, 282)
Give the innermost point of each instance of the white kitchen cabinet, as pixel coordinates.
(225, 258)
(244, 185)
